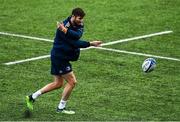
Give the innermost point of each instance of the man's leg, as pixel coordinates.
(71, 81)
(57, 83)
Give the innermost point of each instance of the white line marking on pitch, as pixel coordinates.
(34, 58)
(135, 53)
(136, 38)
(26, 37)
(102, 48)
(26, 60)
(108, 43)
(105, 44)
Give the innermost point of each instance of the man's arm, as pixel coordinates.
(84, 44)
(78, 43)
(75, 34)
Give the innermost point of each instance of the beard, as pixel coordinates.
(77, 23)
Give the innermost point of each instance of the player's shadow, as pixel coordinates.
(27, 114)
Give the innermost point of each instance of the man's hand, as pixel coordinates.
(95, 43)
(61, 27)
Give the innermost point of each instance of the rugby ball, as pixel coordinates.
(148, 65)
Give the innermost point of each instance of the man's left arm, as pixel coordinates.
(84, 44)
(75, 34)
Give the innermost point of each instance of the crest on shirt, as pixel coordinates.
(67, 25)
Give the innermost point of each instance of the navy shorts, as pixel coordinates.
(59, 66)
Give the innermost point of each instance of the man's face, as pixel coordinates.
(78, 20)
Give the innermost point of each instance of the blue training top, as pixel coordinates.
(67, 46)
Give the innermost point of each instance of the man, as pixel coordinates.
(66, 48)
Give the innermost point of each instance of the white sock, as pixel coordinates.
(62, 104)
(36, 94)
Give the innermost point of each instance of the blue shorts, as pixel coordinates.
(59, 66)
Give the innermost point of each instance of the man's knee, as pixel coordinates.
(58, 84)
(72, 82)
(58, 81)
(70, 78)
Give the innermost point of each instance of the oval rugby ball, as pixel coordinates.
(148, 65)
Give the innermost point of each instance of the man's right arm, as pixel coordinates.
(71, 33)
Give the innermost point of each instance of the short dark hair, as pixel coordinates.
(78, 12)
